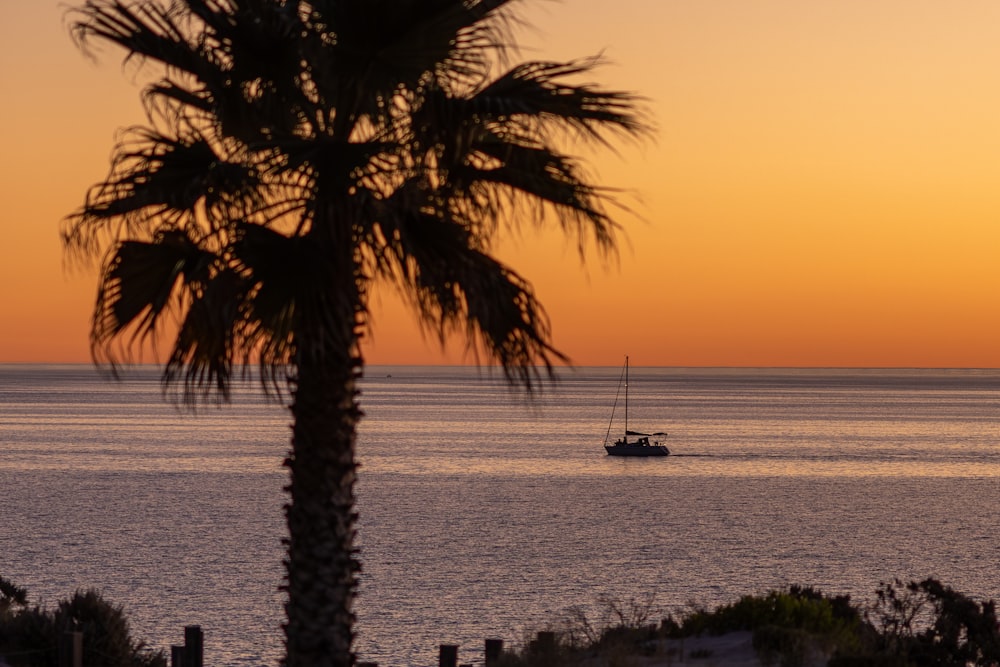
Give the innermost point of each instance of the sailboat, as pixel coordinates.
(640, 444)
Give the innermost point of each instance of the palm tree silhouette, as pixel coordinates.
(297, 152)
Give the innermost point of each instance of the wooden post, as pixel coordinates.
(71, 649)
(494, 649)
(177, 656)
(545, 644)
(194, 646)
(448, 656)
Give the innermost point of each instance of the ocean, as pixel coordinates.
(486, 515)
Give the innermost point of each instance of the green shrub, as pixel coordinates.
(787, 625)
(798, 608)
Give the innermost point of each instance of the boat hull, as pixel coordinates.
(637, 450)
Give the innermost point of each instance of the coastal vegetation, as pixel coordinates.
(299, 153)
(30, 634)
(908, 624)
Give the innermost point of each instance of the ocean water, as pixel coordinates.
(483, 515)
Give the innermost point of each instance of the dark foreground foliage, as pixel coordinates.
(29, 635)
(915, 624)
(929, 623)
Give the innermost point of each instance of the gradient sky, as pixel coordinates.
(823, 190)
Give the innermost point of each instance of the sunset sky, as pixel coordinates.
(823, 188)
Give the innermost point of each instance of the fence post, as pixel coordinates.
(71, 649)
(448, 655)
(544, 644)
(194, 646)
(494, 649)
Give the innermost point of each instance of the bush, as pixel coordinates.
(619, 622)
(919, 624)
(799, 608)
(928, 623)
(11, 596)
(30, 635)
(787, 626)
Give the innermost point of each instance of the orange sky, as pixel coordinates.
(824, 189)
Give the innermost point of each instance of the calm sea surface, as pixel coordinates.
(482, 516)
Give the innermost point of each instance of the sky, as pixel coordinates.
(823, 188)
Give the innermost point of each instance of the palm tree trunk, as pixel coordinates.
(321, 565)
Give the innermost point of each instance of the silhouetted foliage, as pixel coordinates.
(11, 595)
(929, 623)
(799, 608)
(618, 621)
(29, 636)
(916, 624)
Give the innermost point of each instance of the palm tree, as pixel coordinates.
(296, 152)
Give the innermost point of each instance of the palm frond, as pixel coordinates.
(534, 181)
(158, 181)
(370, 52)
(506, 317)
(275, 266)
(493, 165)
(258, 92)
(299, 283)
(178, 93)
(146, 30)
(542, 92)
(208, 342)
(455, 285)
(243, 315)
(138, 284)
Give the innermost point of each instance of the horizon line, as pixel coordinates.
(556, 367)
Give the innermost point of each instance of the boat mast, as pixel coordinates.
(626, 399)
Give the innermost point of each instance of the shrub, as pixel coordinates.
(798, 608)
(788, 626)
(30, 635)
(929, 623)
(11, 596)
(919, 624)
(619, 622)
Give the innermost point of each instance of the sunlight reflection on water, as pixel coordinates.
(481, 516)
(706, 466)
